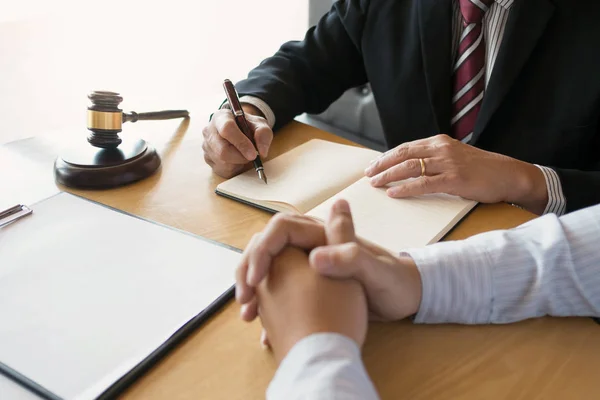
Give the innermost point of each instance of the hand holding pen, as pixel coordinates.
(227, 150)
(242, 123)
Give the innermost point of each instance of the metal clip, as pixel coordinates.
(14, 213)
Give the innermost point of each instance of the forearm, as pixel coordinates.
(322, 366)
(549, 266)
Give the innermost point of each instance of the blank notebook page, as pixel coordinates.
(86, 292)
(305, 176)
(397, 224)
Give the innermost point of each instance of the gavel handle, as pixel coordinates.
(156, 115)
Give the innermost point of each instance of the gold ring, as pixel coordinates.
(422, 166)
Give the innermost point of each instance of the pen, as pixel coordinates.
(240, 120)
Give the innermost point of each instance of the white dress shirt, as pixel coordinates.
(548, 266)
(493, 25)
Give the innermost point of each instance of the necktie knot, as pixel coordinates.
(473, 11)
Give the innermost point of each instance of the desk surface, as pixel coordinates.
(543, 358)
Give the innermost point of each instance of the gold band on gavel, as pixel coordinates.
(104, 120)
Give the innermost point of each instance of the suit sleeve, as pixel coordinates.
(309, 75)
(581, 187)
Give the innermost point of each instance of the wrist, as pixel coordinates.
(252, 110)
(343, 311)
(530, 192)
(416, 288)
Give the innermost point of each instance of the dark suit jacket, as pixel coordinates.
(542, 104)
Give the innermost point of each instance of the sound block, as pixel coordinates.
(87, 167)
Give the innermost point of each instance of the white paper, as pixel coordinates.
(22, 180)
(86, 293)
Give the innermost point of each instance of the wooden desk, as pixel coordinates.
(544, 358)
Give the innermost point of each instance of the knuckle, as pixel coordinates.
(254, 240)
(281, 220)
(443, 138)
(413, 165)
(206, 132)
(385, 176)
(228, 128)
(445, 147)
(221, 152)
(260, 247)
(400, 151)
(256, 237)
(353, 251)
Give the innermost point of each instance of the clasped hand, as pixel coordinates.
(392, 285)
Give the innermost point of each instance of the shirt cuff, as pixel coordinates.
(456, 283)
(322, 366)
(261, 105)
(557, 203)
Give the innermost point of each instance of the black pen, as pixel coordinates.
(240, 120)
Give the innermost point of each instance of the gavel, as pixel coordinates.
(105, 119)
(110, 161)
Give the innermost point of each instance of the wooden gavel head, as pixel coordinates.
(105, 119)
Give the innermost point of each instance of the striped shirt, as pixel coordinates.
(548, 266)
(493, 28)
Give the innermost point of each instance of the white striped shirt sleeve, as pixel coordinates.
(548, 266)
(325, 366)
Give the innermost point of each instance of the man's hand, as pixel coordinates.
(392, 284)
(226, 149)
(459, 169)
(295, 302)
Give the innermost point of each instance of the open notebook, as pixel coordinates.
(91, 297)
(310, 177)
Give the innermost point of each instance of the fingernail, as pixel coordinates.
(369, 170)
(250, 276)
(263, 150)
(341, 206)
(374, 181)
(263, 340)
(321, 260)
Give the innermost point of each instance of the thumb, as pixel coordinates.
(339, 261)
(339, 227)
(263, 136)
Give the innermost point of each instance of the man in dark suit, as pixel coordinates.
(489, 100)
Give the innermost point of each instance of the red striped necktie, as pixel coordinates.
(469, 69)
